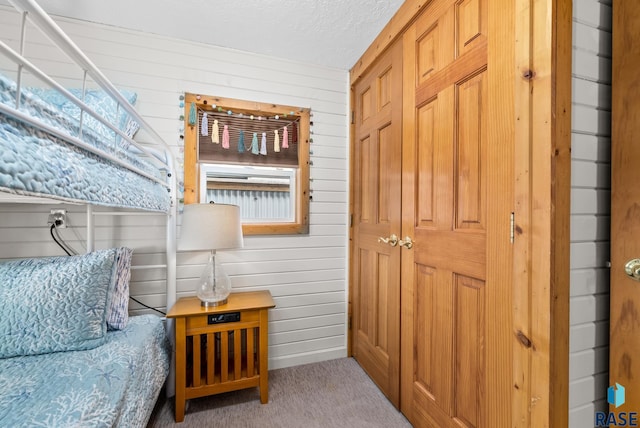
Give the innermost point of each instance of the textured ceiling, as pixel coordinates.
(333, 33)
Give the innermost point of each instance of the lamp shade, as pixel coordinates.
(208, 227)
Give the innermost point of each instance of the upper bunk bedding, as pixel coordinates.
(113, 385)
(43, 161)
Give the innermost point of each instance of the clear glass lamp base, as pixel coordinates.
(214, 285)
(206, 304)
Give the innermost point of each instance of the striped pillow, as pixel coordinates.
(118, 308)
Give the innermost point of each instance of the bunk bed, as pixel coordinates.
(63, 361)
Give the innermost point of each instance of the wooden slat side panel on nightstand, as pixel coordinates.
(206, 357)
(211, 352)
(195, 340)
(225, 359)
(251, 337)
(237, 353)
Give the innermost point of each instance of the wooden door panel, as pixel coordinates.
(470, 184)
(365, 103)
(387, 193)
(425, 158)
(433, 348)
(469, 349)
(449, 341)
(471, 25)
(366, 212)
(377, 214)
(624, 345)
(384, 82)
(445, 185)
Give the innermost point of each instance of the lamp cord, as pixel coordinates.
(146, 306)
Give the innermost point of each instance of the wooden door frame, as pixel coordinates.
(541, 134)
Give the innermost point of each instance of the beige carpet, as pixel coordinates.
(336, 393)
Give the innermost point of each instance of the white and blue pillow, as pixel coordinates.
(56, 304)
(64, 303)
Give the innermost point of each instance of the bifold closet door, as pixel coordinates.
(375, 266)
(448, 306)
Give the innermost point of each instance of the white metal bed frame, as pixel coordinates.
(164, 157)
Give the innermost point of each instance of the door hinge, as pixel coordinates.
(513, 228)
(353, 117)
(350, 220)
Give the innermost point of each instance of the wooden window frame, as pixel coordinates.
(300, 225)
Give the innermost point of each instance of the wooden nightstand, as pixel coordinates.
(221, 349)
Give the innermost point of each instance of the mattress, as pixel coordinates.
(36, 163)
(115, 384)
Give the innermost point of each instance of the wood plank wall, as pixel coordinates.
(305, 274)
(590, 207)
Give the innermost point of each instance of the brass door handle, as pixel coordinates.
(406, 242)
(632, 269)
(392, 240)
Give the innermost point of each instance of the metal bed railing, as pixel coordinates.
(162, 156)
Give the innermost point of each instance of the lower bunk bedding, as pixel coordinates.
(115, 384)
(70, 355)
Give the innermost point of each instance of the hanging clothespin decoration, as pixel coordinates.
(193, 114)
(263, 144)
(225, 137)
(285, 138)
(204, 125)
(276, 141)
(254, 144)
(241, 148)
(215, 132)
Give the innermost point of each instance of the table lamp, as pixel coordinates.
(211, 227)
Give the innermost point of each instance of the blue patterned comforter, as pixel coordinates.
(35, 163)
(115, 384)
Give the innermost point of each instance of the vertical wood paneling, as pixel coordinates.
(427, 59)
(426, 164)
(470, 184)
(470, 24)
(384, 89)
(382, 303)
(425, 324)
(590, 181)
(364, 162)
(308, 272)
(383, 175)
(470, 346)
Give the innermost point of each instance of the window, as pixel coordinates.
(263, 193)
(252, 155)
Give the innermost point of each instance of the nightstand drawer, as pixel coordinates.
(199, 322)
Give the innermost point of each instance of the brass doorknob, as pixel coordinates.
(392, 240)
(632, 269)
(406, 242)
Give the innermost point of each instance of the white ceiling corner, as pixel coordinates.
(332, 33)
